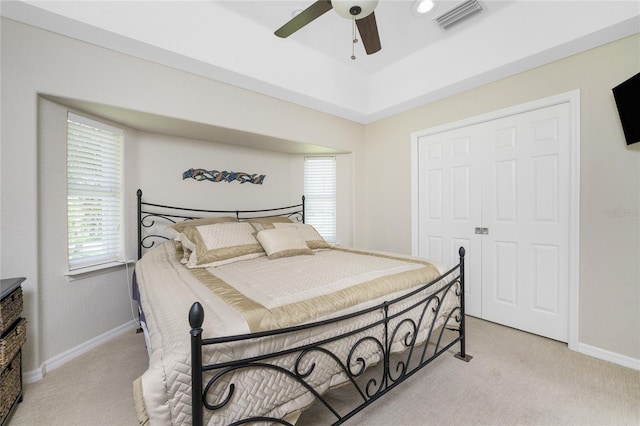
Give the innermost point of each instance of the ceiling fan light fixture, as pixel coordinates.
(361, 8)
(424, 6)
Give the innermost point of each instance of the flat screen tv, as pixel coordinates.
(627, 96)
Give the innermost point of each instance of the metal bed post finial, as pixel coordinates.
(196, 318)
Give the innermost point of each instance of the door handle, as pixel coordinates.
(482, 231)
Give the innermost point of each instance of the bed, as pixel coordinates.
(251, 317)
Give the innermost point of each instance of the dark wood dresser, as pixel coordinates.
(13, 328)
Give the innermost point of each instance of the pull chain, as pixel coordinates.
(355, 40)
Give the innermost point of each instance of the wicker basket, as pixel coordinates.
(11, 343)
(10, 386)
(10, 308)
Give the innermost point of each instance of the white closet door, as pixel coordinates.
(525, 209)
(450, 190)
(509, 176)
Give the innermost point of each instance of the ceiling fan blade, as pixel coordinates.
(314, 11)
(368, 30)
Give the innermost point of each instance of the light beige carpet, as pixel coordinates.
(95, 388)
(515, 378)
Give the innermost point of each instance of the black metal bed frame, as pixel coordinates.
(148, 213)
(401, 322)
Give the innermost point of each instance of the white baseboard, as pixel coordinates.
(623, 360)
(59, 360)
(33, 376)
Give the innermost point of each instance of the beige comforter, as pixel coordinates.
(254, 295)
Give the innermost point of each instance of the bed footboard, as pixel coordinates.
(376, 349)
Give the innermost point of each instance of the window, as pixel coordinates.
(320, 195)
(94, 193)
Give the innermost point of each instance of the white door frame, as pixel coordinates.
(573, 99)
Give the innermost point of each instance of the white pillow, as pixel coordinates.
(176, 229)
(283, 242)
(309, 234)
(220, 243)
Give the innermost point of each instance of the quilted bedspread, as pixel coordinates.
(254, 295)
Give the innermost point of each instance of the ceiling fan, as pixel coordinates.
(360, 11)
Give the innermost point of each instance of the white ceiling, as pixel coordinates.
(402, 30)
(233, 42)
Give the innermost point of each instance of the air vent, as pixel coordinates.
(458, 13)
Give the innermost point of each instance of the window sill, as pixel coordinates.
(80, 273)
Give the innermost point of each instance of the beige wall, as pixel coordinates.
(64, 315)
(154, 163)
(610, 171)
(37, 62)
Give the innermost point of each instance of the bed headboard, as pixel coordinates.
(155, 217)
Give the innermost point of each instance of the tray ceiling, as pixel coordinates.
(233, 42)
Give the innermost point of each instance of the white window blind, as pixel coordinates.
(320, 195)
(94, 196)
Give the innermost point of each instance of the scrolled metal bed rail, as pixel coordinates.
(403, 338)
